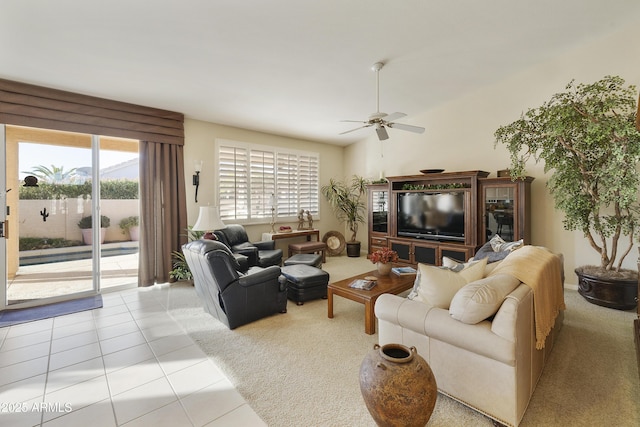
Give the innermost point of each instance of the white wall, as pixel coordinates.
(459, 135)
(199, 145)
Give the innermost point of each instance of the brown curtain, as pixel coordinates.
(163, 217)
(163, 211)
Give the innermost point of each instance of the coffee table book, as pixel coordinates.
(402, 271)
(363, 284)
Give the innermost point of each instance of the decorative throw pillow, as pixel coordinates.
(438, 285)
(481, 299)
(497, 249)
(490, 267)
(456, 265)
(499, 245)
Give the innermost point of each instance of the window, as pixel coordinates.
(254, 178)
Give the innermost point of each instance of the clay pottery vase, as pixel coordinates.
(384, 268)
(398, 386)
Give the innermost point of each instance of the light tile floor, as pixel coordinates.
(126, 364)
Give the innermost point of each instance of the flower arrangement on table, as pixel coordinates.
(384, 256)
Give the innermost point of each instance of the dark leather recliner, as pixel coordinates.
(228, 295)
(262, 254)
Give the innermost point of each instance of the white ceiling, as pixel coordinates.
(291, 67)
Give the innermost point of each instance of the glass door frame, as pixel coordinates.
(3, 217)
(95, 210)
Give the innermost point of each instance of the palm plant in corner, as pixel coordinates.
(346, 199)
(588, 140)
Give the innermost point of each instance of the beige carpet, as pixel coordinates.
(301, 368)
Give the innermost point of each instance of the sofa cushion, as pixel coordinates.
(438, 285)
(482, 298)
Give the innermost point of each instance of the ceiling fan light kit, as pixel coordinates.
(381, 121)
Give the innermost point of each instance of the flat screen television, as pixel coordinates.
(436, 216)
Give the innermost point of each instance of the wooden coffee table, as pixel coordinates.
(391, 284)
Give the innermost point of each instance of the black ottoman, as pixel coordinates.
(313, 260)
(304, 283)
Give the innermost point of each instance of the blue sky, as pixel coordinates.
(32, 155)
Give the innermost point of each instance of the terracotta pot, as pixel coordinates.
(398, 386)
(384, 268)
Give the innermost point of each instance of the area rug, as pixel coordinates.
(301, 368)
(23, 315)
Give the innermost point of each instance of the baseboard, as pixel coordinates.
(572, 287)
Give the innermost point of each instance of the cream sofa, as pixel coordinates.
(492, 366)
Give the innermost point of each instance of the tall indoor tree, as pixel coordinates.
(587, 138)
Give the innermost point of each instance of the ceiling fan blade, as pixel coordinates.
(382, 133)
(352, 130)
(354, 121)
(410, 128)
(394, 116)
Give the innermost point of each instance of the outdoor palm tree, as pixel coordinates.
(53, 175)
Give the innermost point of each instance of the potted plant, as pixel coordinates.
(131, 225)
(383, 259)
(86, 226)
(180, 269)
(347, 201)
(588, 140)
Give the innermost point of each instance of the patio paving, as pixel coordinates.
(60, 278)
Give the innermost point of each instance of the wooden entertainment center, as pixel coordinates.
(491, 206)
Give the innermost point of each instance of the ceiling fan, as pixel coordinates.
(381, 121)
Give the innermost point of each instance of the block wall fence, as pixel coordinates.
(64, 215)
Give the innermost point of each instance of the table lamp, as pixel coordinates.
(208, 220)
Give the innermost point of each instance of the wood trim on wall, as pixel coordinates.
(36, 106)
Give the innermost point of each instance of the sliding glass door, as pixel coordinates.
(72, 207)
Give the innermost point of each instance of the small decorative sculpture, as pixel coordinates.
(44, 214)
(310, 219)
(301, 219)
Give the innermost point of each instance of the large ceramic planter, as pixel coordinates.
(398, 386)
(353, 249)
(87, 235)
(618, 294)
(134, 233)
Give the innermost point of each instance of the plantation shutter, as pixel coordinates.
(233, 183)
(252, 180)
(286, 200)
(308, 183)
(263, 183)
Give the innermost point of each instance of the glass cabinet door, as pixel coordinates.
(498, 212)
(380, 210)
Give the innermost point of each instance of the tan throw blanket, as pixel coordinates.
(541, 270)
